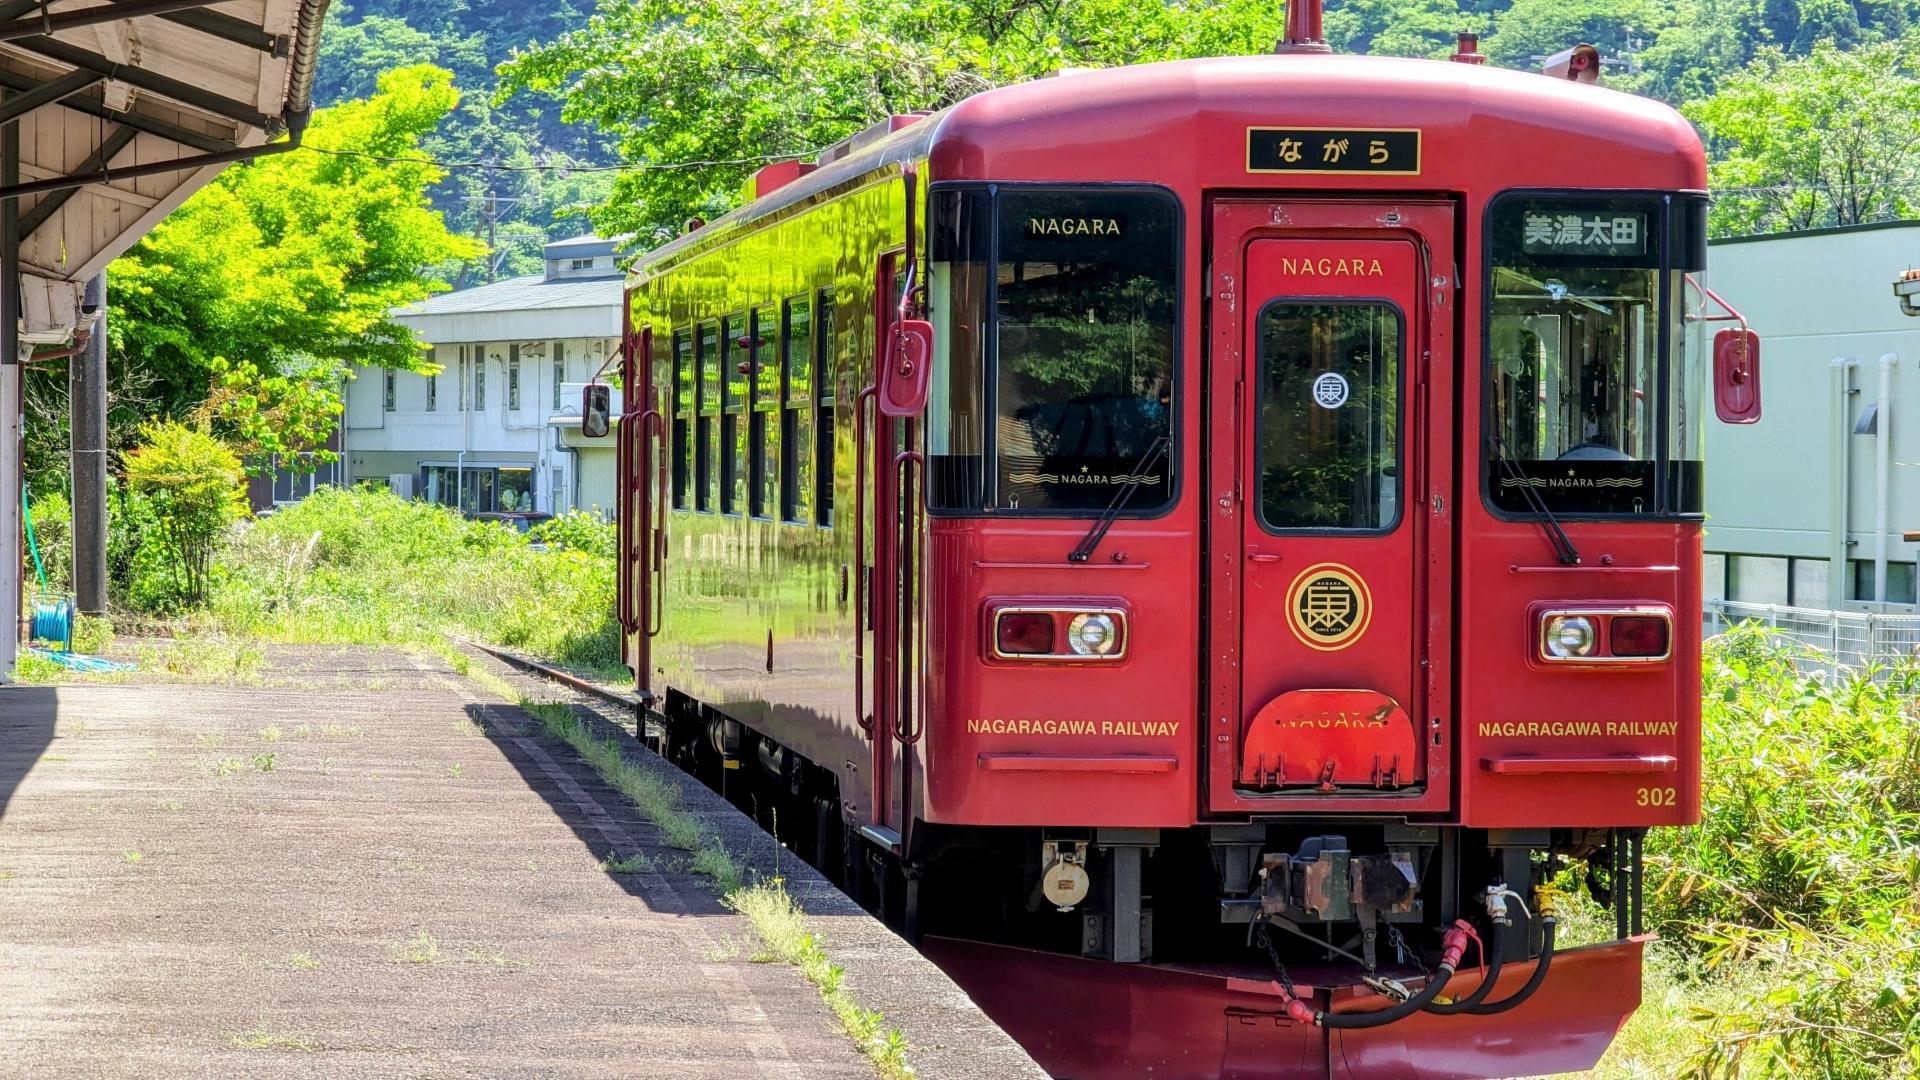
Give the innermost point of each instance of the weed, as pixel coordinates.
(727, 949)
(270, 733)
(304, 731)
(77, 728)
(636, 863)
(303, 961)
(172, 805)
(260, 1038)
(265, 762)
(339, 732)
(131, 856)
(226, 766)
(210, 739)
(7, 875)
(421, 949)
(56, 758)
(455, 769)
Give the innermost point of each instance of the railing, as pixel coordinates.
(1850, 639)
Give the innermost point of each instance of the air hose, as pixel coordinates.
(1454, 946)
(1490, 952)
(1539, 975)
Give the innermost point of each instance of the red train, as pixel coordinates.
(1202, 546)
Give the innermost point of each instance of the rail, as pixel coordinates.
(1850, 640)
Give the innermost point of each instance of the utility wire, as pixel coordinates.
(565, 167)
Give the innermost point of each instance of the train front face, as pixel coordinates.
(1314, 471)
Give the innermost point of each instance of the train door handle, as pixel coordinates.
(1263, 557)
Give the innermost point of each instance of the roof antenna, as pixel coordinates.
(1303, 29)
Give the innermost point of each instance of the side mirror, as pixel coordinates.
(908, 371)
(1578, 64)
(596, 410)
(1736, 376)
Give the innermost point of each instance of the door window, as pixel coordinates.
(1327, 444)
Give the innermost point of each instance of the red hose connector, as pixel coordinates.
(1453, 946)
(1298, 1011)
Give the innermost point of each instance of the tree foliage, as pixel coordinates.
(1832, 138)
(292, 264)
(735, 82)
(192, 481)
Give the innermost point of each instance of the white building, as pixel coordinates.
(500, 422)
(1803, 504)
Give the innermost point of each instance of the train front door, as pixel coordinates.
(1329, 470)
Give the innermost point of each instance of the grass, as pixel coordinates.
(422, 948)
(636, 863)
(270, 733)
(131, 856)
(265, 762)
(765, 904)
(303, 961)
(260, 1037)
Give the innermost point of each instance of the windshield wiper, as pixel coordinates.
(1557, 537)
(1084, 549)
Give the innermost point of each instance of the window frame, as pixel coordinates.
(559, 375)
(480, 379)
(826, 407)
(513, 377)
(1402, 377)
(706, 438)
(732, 480)
(1173, 456)
(1668, 203)
(686, 408)
(795, 508)
(758, 344)
(390, 391)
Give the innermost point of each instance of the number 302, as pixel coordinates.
(1655, 796)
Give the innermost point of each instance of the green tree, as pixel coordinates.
(192, 481)
(294, 262)
(1397, 27)
(1832, 138)
(738, 81)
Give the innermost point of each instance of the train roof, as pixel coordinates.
(1185, 121)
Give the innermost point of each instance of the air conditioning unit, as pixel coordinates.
(401, 484)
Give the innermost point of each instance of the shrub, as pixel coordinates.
(1802, 880)
(578, 530)
(193, 482)
(53, 537)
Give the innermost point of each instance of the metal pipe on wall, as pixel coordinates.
(87, 395)
(1883, 475)
(1840, 482)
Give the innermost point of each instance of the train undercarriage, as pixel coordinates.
(1279, 948)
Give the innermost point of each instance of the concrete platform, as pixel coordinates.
(366, 866)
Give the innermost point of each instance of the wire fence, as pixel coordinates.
(1849, 639)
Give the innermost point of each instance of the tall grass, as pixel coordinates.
(1793, 908)
(367, 567)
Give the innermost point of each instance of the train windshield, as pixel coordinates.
(1054, 354)
(1595, 397)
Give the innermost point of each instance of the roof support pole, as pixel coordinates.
(11, 572)
(87, 394)
(19, 105)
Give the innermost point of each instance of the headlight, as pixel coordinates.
(1569, 636)
(1092, 634)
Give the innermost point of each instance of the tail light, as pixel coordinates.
(1035, 630)
(1023, 633)
(1641, 634)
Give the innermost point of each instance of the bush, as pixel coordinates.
(367, 566)
(578, 530)
(1802, 879)
(53, 537)
(194, 484)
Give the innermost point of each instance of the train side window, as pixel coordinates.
(796, 413)
(684, 374)
(823, 475)
(733, 405)
(707, 427)
(764, 360)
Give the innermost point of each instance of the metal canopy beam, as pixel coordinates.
(228, 28)
(93, 16)
(46, 94)
(199, 140)
(238, 111)
(102, 156)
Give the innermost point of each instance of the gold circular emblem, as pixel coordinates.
(1328, 606)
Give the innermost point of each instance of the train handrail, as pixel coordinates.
(903, 729)
(860, 401)
(653, 427)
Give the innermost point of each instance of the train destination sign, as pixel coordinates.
(1381, 152)
(1609, 232)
